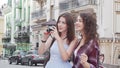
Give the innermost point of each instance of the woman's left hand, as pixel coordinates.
(83, 58)
(55, 33)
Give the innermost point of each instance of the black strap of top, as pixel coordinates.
(52, 42)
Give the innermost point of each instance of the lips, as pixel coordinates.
(59, 28)
(77, 26)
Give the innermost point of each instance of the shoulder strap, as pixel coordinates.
(52, 42)
(49, 48)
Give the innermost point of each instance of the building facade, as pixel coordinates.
(17, 21)
(21, 22)
(108, 18)
(1, 32)
(6, 29)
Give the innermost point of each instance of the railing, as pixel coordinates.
(71, 4)
(22, 34)
(22, 37)
(38, 14)
(6, 39)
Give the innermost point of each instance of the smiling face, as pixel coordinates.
(65, 26)
(79, 26)
(62, 25)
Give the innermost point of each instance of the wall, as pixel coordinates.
(1, 33)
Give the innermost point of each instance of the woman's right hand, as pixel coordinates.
(45, 35)
(83, 58)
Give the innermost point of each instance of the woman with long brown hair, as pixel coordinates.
(87, 51)
(63, 46)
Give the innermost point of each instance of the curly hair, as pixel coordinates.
(70, 26)
(90, 26)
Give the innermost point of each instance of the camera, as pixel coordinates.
(50, 24)
(49, 29)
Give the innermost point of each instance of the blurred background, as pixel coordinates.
(22, 23)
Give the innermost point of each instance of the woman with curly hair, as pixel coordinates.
(87, 50)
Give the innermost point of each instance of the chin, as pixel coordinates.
(60, 30)
(77, 29)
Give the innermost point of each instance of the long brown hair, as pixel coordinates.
(70, 26)
(90, 26)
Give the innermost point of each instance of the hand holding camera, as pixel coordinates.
(49, 29)
(47, 33)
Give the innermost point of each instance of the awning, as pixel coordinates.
(49, 23)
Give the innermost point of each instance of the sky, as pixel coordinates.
(2, 2)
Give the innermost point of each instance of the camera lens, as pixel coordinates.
(49, 29)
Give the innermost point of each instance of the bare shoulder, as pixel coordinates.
(75, 40)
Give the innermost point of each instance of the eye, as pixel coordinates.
(77, 20)
(63, 22)
(80, 20)
(58, 21)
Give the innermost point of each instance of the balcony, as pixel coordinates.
(72, 4)
(6, 39)
(39, 14)
(22, 35)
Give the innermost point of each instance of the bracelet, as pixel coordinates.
(43, 41)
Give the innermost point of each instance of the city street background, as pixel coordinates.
(22, 23)
(5, 64)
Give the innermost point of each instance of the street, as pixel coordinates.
(5, 64)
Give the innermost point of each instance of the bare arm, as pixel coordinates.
(44, 46)
(65, 54)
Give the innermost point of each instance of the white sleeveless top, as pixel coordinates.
(56, 59)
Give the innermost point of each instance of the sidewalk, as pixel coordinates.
(111, 66)
(2, 60)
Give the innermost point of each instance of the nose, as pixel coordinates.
(60, 23)
(76, 23)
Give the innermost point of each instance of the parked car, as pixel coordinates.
(32, 57)
(16, 57)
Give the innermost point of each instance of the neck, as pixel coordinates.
(63, 35)
(83, 35)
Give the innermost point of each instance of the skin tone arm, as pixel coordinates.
(65, 54)
(83, 60)
(44, 46)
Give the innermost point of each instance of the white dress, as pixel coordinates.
(56, 59)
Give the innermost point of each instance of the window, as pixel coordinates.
(117, 22)
(118, 56)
